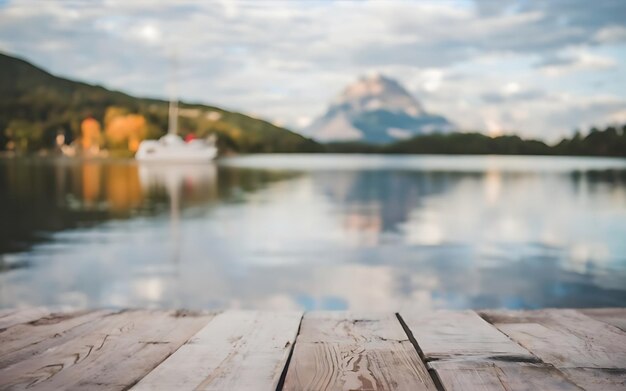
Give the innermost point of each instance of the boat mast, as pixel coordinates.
(173, 117)
(173, 110)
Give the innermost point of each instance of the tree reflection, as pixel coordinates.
(42, 196)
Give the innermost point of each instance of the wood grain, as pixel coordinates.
(26, 340)
(454, 334)
(341, 326)
(564, 338)
(349, 351)
(613, 316)
(117, 353)
(494, 375)
(238, 350)
(246, 350)
(23, 316)
(592, 379)
(7, 311)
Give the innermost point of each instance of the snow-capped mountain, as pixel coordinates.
(375, 109)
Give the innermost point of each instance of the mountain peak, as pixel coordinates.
(376, 91)
(376, 78)
(375, 108)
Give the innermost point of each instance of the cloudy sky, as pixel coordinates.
(540, 68)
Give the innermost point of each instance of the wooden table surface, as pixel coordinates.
(553, 349)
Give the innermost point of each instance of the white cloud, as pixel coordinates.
(474, 63)
(148, 33)
(303, 122)
(511, 88)
(575, 60)
(618, 117)
(611, 34)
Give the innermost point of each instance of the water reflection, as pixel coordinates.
(191, 181)
(321, 232)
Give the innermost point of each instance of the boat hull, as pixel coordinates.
(160, 151)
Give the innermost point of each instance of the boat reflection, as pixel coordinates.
(392, 236)
(178, 180)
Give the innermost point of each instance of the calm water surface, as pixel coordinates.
(315, 232)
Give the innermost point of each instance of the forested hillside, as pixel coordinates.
(36, 106)
(610, 141)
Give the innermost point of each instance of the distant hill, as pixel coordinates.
(376, 109)
(610, 141)
(374, 115)
(42, 105)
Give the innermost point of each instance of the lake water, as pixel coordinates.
(315, 232)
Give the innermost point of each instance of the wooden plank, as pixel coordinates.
(348, 351)
(582, 349)
(564, 338)
(494, 375)
(341, 326)
(23, 316)
(385, 365)
(7, 311)
(454, 334)
(597, 379)
(613, 316)
(26, 340)
(238, 350)
(120, 351)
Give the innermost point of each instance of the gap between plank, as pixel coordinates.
(420, 353)
(283, 375)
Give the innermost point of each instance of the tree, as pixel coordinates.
(25, 135)
(91, 136)
(124, 131)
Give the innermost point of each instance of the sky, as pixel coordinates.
(536, 68)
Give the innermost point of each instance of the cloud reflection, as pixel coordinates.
(398, 234)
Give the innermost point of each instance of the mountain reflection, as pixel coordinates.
(419, 232)
(380, 201)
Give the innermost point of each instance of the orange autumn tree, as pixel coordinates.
(124, 130)
(91, 136)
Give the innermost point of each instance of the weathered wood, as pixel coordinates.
(494, 375)
(347, 351)
(612, 316)
(594, 379)
(385, 365)
(124, 347)
(580, 349)
(238, 350)
(7, 311)
(564, 338)
(23, 316)
(453, 334)
(340, 326)
(30, 339)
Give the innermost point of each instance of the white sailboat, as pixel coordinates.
(172, 148)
